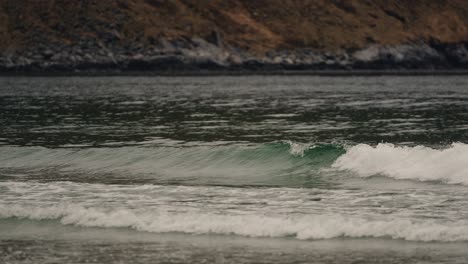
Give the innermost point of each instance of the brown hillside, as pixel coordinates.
(255, 25)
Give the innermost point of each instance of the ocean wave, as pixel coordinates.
(278, 163)
(231, 164)
(421, 163)
(303, 227)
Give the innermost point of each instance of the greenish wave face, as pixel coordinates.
(278, 163)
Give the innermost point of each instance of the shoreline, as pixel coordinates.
(207, 73)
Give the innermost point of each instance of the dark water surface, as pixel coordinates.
(254, 169)
(116, 111)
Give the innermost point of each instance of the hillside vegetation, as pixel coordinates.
(258, 25)
(252, 26)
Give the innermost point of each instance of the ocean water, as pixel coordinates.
(245, 169)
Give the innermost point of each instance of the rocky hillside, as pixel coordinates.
(167, 35)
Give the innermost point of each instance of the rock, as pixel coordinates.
(102, 52)
(277, 60)
(210, 53)
(234, 59)
(37, 57)
(23, 61)
(47, 53)
(165, 45)
(138, 57)
(366, 55)
(288, 61)
(88, 57)
(215, 38)
(56, 57)
(458, 55)
(180, 44)
(77, 50)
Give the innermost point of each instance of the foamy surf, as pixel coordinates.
(304, 214)
(303, 227)
(421, 163)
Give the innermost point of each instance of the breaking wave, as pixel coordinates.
(304, 227)
(421, 163)
(274, 163)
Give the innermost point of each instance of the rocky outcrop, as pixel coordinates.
(238, 35)
(199, 54)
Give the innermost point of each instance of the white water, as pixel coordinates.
(421, 163)
(271, 212)
(251, 225)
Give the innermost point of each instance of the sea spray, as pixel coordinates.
(448, 165)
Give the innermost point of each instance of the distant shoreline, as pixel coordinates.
(206, 73)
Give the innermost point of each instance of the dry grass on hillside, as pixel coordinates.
(258, 26)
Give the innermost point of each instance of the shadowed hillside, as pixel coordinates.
(41, 34)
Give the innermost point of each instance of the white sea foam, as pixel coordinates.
(298, 149)
(448, 165)
(252, 225)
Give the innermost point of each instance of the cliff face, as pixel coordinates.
(232, 32)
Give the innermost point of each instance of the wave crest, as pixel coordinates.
(280, 163)
(412, 163)
(303, 227)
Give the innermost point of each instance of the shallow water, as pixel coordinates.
(256, 169)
